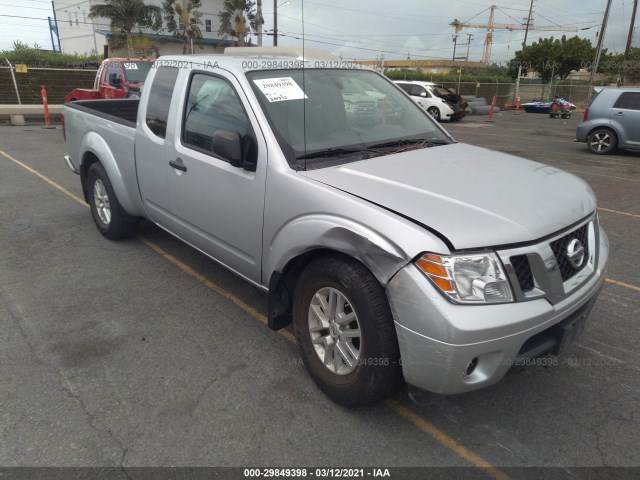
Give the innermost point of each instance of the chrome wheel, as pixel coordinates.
(335, 331)
(101, 199)
(601, 141)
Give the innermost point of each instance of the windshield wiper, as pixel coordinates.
(412, 142)
(334, 152)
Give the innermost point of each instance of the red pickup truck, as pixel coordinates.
(116, 78)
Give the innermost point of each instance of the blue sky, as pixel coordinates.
(366, 30)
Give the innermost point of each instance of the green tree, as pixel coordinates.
(127, 15)
(628, 72)
(237, 20)
(552, 57)
(183, 20)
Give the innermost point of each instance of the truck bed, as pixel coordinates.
(123, 111)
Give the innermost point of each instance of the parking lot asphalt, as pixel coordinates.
(146, 353)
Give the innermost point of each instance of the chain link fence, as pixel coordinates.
(60, 81)
(27, 86)
(578, 94)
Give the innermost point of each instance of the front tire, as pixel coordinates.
(602, 141)
(345, 331)
(434, 112)
(112, 221)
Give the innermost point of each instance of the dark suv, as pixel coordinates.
(612, 121)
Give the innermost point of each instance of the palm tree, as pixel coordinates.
(237, 19)
(127, 15)
(187, 26)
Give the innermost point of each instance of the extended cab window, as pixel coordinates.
(212, 104)
(160, 100)
(628, 101)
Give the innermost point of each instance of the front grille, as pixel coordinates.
(559, 248)
(522, 270)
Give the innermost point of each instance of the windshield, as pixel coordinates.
(326, 117)
(135, 72)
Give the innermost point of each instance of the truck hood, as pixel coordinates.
(473, 196)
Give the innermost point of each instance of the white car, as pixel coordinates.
(422, 94)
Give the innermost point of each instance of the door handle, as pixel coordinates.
(620, 114)
(178, 165)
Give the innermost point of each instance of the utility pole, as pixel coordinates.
(594, 67)
(275, 23)
(455, 43)
(516, 94)
(629, 38)
(469, 37)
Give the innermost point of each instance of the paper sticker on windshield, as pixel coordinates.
(280, 89)
(130, 66)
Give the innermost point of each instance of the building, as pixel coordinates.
(80, 34)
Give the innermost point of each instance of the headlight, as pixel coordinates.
(467, 278)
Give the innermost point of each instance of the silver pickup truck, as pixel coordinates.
(398, 254)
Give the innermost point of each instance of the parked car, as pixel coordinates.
(539, 106)
(116, 78)
(366, 106)
(422, 94)
(397, 253)
(612, 121)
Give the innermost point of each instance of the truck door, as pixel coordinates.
(218, 207)
(152, 146)
(626, 115)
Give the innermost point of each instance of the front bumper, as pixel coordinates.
(439, 340)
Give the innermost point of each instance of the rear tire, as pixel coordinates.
(110, 219)
(345, 331)
(602, 141)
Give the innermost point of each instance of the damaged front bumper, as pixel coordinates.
(448, 348)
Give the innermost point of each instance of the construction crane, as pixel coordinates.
(491, 26)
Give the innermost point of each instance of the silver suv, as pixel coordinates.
(612, 121)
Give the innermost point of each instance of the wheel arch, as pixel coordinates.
(606, 126)
(282, 284)
(382, 258)
(96, 149)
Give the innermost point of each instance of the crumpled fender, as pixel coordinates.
(379, 254)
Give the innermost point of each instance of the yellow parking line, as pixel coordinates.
(446, 440)
(622, 284)
(213, 286)
(619, 212)
(46, 179)
(394, 406)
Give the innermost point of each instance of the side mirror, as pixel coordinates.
(227, 144)
(423, 94)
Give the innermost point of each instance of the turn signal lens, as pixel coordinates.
(432, 266)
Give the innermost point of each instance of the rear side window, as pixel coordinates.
(628, 101)
(160, 100)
